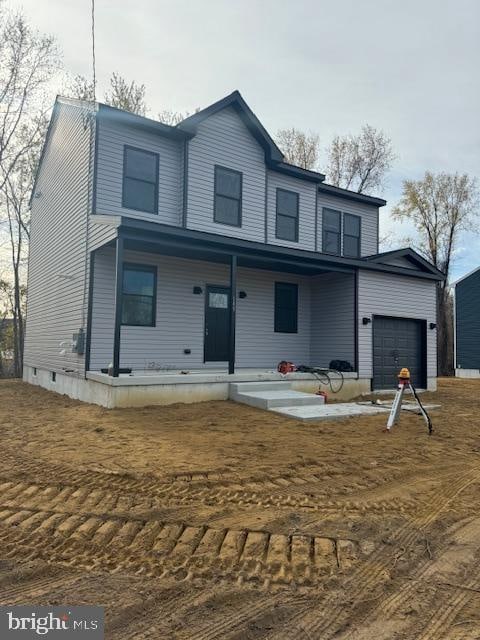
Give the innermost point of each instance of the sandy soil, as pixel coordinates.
(219, 521)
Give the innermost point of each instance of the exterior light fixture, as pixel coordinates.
(433, 326)
(242, 294)
(366, 320)
(197, 290)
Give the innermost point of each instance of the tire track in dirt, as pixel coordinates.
(330, 616)
(31, 496)
(458, 552)
(281, 490)
(155, 548)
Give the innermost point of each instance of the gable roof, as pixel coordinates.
(250, 120)
(409, 254)
(273, 155)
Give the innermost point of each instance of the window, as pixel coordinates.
(139, 295)
(54, 376)
(351, 235)
(140, 180)
(331, 224)
(287, 215)
(286, 307)
(228, 197)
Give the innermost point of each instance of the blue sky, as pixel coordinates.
(410, 68)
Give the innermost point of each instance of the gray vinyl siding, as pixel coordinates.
(180, 316)
(368, 214)
(333, 319)
(306, 210)
(467, 322)
(99, 234)
(398, 296)
(112, 138)
(223, 139)
(57, 274)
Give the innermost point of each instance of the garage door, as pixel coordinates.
(397, 343)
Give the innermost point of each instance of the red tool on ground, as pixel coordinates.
(286, 367)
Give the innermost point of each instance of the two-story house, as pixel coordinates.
(166, 262)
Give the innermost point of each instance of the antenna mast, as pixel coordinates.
(94, 79)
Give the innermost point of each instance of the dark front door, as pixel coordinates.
(398, 343)
(217, 324)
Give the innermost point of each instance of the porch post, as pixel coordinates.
(233, 308)
(118, 306)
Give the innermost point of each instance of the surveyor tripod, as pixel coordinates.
(404, 383)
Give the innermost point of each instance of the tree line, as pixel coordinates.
(440, 205)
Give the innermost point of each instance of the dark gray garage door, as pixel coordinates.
(398, 343)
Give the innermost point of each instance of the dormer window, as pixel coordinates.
(228, 197)
(140, 180)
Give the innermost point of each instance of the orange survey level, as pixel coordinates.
(404, 374)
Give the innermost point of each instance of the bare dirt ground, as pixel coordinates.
(220, 521)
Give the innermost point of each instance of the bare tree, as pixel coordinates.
(440, 206)
(28, 60)
(360, 162)
(80, 87)
(129, 97)
(298, 147)
(170, 117)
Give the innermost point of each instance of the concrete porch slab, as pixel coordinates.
(329, 411)
(342, 410)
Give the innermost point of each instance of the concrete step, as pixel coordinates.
(274, 398)
(246, 387)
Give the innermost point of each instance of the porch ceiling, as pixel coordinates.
(197, 245)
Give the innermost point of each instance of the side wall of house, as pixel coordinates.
(467, 322)
(180, 316)
(398, 296)
(333, 319)
(57, 273)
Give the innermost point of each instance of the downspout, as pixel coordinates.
(185, 185)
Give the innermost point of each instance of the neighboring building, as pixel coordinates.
(140, 231)
(467, 326)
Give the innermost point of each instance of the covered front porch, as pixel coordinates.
(188, 270)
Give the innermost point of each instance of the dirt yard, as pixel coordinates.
(219, 521)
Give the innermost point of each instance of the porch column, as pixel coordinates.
(118, 306)
(233, 309)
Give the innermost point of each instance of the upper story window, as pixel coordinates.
(228, 196)
(287, 215)
(331, 225)
(140, 180)
(139, 295)
(286, 307)
(351, 235)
